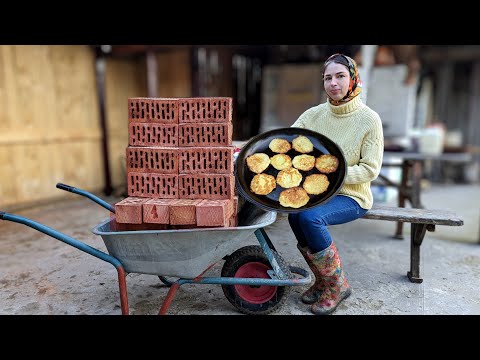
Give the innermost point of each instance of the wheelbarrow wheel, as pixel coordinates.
(167, 280)
(251, 262)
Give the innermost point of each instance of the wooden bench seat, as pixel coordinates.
(421, 220)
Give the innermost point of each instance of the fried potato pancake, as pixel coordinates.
(316, 184)
(295, 197)
(263, 184)
(326, 163)
(281, 161)
(280, 146)
(304, 162)
(289, 178)
(302, 144)
(258, 162)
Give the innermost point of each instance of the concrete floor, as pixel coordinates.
(41, 275)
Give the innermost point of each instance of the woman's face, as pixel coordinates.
(336, 80)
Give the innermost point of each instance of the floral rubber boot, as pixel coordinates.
(335, 283)
(315, 291)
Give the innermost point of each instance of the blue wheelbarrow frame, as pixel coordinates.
(155, 263)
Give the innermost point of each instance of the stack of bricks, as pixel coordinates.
(179, 165)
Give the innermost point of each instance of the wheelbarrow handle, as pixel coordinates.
(62, 237)
(86, 194)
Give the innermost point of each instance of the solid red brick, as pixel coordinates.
(129, 210)
(215, 212)
(159, 110)
(152, 185)
(181, 227)
(205, 109)
(161, 160)
(205, 134)
(151, 134)
(115, 226)
(233, 221)
(183, 212)
(209, 186)
(157, 211)
(206, 160)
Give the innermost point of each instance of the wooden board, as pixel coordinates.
(411, 215)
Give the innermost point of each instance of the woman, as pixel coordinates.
(357, 130)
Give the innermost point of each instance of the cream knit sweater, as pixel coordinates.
(357, 130)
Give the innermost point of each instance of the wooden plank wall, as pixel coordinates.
(50, 119)
(124, 78)
(49, 122)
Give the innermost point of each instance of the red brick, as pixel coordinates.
(210, 186)
(152, 185)
(181, 227)
(215, 212)
(157, 211)
(233, 221)
(206, 160)
(205, 134)
(161, 160)
(183, 212)
(115, 226)
(159, 110)
(206, 109)
(150, 134)
(129, 210)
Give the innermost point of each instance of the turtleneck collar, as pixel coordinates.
(346, 108)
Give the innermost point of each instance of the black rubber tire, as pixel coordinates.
(167, 280)
(245, 255)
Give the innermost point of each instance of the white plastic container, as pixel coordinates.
(430, 141)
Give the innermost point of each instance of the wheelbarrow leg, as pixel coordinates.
(81, 246)
(168, 300)
(122, 284)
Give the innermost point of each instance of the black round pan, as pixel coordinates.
(260, 143)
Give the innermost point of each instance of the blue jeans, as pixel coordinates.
(310, 226)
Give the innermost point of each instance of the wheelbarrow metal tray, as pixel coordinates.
(183, 253)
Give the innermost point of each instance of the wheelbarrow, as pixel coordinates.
(255, 279)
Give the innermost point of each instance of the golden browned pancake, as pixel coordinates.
(263, 184)
(289, 178)
(281, 161)
(258, 162)
(302, 144)
(303, 162)
(280, 146)
(295, 197)
(316, 184)
(326, 163)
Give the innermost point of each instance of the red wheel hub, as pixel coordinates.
(255, 294)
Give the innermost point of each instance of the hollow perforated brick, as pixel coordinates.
(206, 160)
(157, 211)
(210, 186)
(213, 109)
(159, 110)
(183, 212)
(215, 212)
(159, 160)
(129, 210)
(152, 185)
(150, 134)
(205, 134)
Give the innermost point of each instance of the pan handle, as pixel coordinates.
(86, 194)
